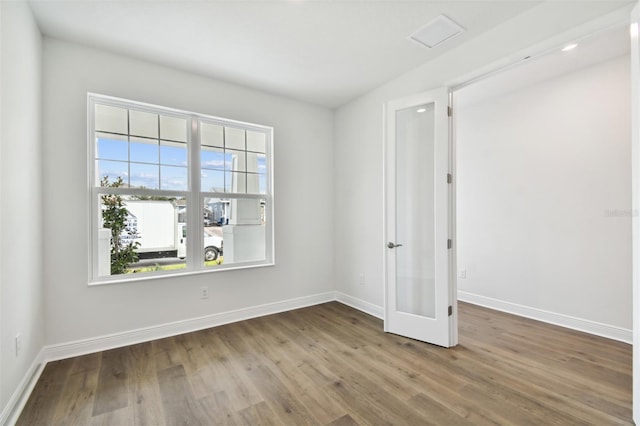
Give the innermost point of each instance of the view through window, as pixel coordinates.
(175, 191)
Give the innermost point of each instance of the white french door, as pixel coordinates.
(418, 214)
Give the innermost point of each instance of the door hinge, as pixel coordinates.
(450, 310)
(449, 243)
(449, 111)
(449, 178)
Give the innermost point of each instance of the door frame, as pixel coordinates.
(452, 320)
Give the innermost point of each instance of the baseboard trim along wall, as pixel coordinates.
(359, 304)
(86, 346)
(117, 340)
(19, 398)
(611, 332)
(16, 403)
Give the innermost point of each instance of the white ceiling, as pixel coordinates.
(323, 52)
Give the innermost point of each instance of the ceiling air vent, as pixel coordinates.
(436, 31)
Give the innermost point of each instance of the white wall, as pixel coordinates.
(303, 197)
(328, 185)
(359, 243)
(544, 195)
(21, 309)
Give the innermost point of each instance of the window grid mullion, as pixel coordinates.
(224, 158)
(159, 155)
(128, 147)
(246, 177)
(194, 209)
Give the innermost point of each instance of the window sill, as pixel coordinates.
(132, 278)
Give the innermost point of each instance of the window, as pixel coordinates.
(176, 192)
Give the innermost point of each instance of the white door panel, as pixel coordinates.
(417, 197)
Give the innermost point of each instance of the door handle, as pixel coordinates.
(393, 245)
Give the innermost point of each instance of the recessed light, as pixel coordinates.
(421, 110)
(436, 31)
(569, 47)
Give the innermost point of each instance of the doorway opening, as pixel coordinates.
(544, 188)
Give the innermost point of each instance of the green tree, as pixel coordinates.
(152, 197)
(114, 216)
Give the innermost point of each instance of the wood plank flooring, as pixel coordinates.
(332, 365)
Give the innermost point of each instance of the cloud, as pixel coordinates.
(144, 176)
(213, 163)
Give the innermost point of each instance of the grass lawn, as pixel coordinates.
(171, 267)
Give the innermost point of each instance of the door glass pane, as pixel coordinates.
(415, 221)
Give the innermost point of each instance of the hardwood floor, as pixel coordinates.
(332, 365)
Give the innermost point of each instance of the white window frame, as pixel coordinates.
(193, 196)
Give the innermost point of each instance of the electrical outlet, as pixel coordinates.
(463, 273)
(361, 280)
(18, 344)
(204, 292)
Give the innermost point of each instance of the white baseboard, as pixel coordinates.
(16, 403)
(592, 327)
(359, 304)
(81, 347)
(13, 408)
(117, 340)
